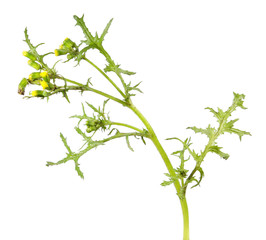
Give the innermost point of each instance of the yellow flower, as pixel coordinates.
(34, 93)
(44, 84)
(39, 93)
(44, 74)
(56, 53)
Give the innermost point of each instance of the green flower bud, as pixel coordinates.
(68, 44)
(94, 124)
(59, 52)
(34, 65)
(39, 93)
(29, 55)
(22, 85)
(70, 56)
(34, 76)
(91, 129)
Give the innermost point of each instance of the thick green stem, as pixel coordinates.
(157, 144)
(185, 219)
(155, 141)
(169, 166)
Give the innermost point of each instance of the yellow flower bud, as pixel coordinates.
(44, 84)
(59, 52)
(29, 55)
(68, 43)
(44, 74)
(39, 93)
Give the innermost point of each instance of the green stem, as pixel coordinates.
(169, 166)
(86, 88)
(125, 125)
(106, 76)
(185, 219)
(157, 144)
(155, 141)
(107, 95)
(109, 59)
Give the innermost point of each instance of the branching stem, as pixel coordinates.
(126, 125)
(86, 88)
(105, 75)
(169, 166)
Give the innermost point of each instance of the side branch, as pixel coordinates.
(83, 87)
(105, 75)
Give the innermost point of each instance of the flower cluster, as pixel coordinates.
(40, 78)
(68, 47)
(94, 124)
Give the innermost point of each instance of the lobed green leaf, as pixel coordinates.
(209, 131)
(217, 150)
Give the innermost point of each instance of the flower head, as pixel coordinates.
(22, 85)
(34, 76)
(39, 93)
(34, 65)
(44, 84)
(44, 74)
(59, 52)
(29, 55)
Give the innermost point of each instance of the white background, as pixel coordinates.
(189, 55)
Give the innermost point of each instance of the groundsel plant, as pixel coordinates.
(49, 82)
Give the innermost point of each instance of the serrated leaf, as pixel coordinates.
(217, 150)
(170, 181)
(143, 140)
(87, 33)
(239, 100)
(82, 53)
(166, 183)
(128, 144)
(27, 40)
(220, 114)
(134, 88)
(77, 168)
(240, 133)
(112, 67)
(228, 127)
(126, 72)
(105, 31)
(65, 96)
(193, 179)
(81, 133)
(209, 131)
(65, 142)
(64, 160)
(104, 104)
(93, 108)
(200, 178)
